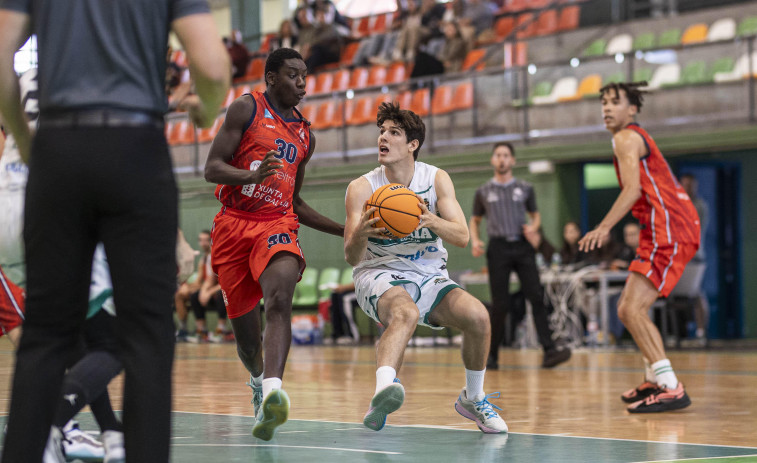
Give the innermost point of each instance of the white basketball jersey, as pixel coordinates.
(422, 250)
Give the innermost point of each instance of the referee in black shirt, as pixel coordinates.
(506, 201)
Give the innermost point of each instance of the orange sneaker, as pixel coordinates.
(641, 392)
(663, 400)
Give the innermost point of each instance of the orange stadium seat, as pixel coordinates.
(403, 98)
(441, 103)
(463, 98)
(341, 80)
(361, 27)
(589, 86)
(348, 53)
(255, 69)
(183, 133)
(308, 111)
(377, 75)
(381, 98)
(526, 26)
(474, 60)
(504, 26)
(547, 22)
(421, 102)
(310, 84)
(323, 82)
(569, 18)
(265, 46)
(359, 78)
(360, 112)
(324, 115)
(397, 73)
(696, 33)
(380, 23)
(179, 57)
(169, 131)
(341, 111)
(207, 135)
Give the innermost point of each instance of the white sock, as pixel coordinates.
(664, 374)
(649, 372)
(257, 380)
(474, 384)
(384, 377)
(270, 384)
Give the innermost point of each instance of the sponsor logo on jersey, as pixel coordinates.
(397, 277)
(267, 114)
(270, 126)
(439, 280)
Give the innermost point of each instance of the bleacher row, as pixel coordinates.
(316, 285)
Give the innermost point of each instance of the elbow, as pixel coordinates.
(350, 259)
(208, 173)
(464, 238)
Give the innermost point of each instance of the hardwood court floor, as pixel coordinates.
(579, 399)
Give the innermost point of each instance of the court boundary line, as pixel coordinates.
(385, 452)
(450, 428)
(698, 458)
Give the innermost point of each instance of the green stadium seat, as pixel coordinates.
(346, 277)
(642, 74)
(669, 38)
(306, 291)
(747, 26)
(619, 76)
(644, 41)
(721, 65)
(328, 280)
(541, 89)
(692, 74)
(596, 48)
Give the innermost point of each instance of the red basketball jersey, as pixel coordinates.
(268, 130)
(664, 208)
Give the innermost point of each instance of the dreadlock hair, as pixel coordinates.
(407, 120)
(276, 59)
(633, 91)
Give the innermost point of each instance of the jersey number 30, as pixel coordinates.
(281, 238)
(286, 151)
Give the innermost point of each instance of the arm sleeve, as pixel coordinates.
(181, 8)
(479, 209)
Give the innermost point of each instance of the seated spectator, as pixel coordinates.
(542, 247)
(209, 297)
(185, 291)
(569, 254)
(627, 251)
(178, 82)
(286, 38)
(331, 15)
(425, 63)
(238, 53)
(342, 330)
(320, 43)
(478, 17)
(455, 48)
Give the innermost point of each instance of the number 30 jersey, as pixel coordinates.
(267, 130)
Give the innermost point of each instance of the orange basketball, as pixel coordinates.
(397, 209)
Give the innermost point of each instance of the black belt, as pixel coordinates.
(508, 240)
(101, 118)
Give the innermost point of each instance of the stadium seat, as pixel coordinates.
(615, 77)
(696, 33)
(341, 80)
(324, 116)
(722, 29)
(323, 82)
(327, 281)
(359, 78)
(669, 38)
(569, 18)
(721, 65)
(207, 135)
(265, 46)
(404, 98)
(644, 41)
(665, 74)
(342, 110)
(564, 87)
(360, 112)
(183, 133)
(420, 103)
(179, 57)
(310, 82)
(308, 111)
(747, 26)
(377, 75)
(348, 53)
(547, 22)
(642, 74)
(397, 73)
(346, 277)
(503, 27)
(380, 98)
(541, 89)
(693, 73)
(441, 103)
(255, 69)
(463, 98)
(525, 26)
(474, 60)
(361, 26)
(740, 69)
(169, 131)
(306, 291)
(621, 43)
(588, 88)
(596, 48)
(380, 23)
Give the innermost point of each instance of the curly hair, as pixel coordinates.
(407, 120)
(633, 91)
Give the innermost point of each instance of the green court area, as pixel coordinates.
(225, 438)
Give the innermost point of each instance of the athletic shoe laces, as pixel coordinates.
(486, 407)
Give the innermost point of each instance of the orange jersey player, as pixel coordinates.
(669, 239)
(258, 161)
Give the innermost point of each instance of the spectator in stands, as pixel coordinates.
(455, 47)
(238, 53)
(287, 38)
(331, 15)
(186, 290)
(178, 82)
(569, 254)
(541, 246)
(209, 297)
(701, 307)
(342, 333)
(627, 250)
(320, 43)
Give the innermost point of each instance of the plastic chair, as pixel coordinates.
(747, 26)
(184, 133)
(380, 23)
(525, 26)
(503, 27)
(324, 116)
(310, 82)
(207, 135)
(341, 80)
(644, 41)
(569, 18)
(547, 23)
(615, 77)
(694, 73)
(721, 65)
(642, 74)
(541, 89)
(722, 29)
(565, 87)
(348, 53)
(474, 60)
(360, 112)
(327, 281)
(323, 82)
(463, 98)
(740, 69)
(377, 75)
(596, 48)
(308, 111)
(381, 98)
(589, 87)
(306, 291)
(230, 96)
(665, 74)
(404, 98)
(421, 102)
(397, 73)
(696, 33)
(255, 69)
(441, 103)
(681, 297)
(669, 38)
(359, 78)
(622, 43)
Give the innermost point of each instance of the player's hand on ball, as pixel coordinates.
(426, 217)
(367, 225)
(267, 167)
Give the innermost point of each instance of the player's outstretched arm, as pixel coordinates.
(307, 215)
(217, 168)
(14, 30)
(629, 148)
(478, 246)
(450, 224)
(359, 225)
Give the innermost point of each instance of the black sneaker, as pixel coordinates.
(663, 400)
(640, 392)
(554, 357)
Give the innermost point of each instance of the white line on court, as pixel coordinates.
(699, 458)
(348, 429)
(288, 432)
(291, 447)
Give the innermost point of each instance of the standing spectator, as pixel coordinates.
(320, 42)
(506, 201)
(238, 53)
(477, 16)
(113, 183)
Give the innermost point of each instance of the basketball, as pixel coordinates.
(397, 209)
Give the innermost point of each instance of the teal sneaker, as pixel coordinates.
(482, 412)
(257, 397)
(385, 401)
(274, 411)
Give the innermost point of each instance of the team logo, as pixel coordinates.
(517, 194)
(439, 280)
(397, 277)
(302, 134)
(267, 114)
(492, 197)
(248, 190)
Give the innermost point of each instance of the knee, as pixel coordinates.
(248, 348)
(626, 312)
(404, 315)
(479, 320)
(279, 302)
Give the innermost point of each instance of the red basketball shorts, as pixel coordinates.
(11, 304)
(663, 265)
(243, 244)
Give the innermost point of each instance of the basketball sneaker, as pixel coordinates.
(482, 412)
(54, 452)
(640, 392)
(113, 441)
(274, 412)
(257, 397)
(662, 400)
(384, 402)
(78, 444)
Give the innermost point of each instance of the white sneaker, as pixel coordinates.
(54, 449)
(482, 412)
(113, 441)
(274, 412)
(78, 444)
(257, 397)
